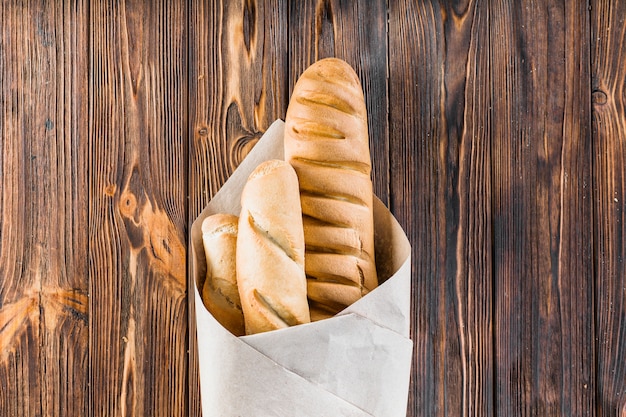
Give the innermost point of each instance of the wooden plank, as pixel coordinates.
(137, 211)
(356, 33)
(441, 194)
(43, 239)
(608, 59)
(541, 175)
(237, 87)
(238, 60)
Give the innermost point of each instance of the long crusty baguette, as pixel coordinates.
(220, 293)
(270, 250)
(326, 141)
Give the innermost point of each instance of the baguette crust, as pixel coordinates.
(219, 292)
(270, 250)
(326, 141)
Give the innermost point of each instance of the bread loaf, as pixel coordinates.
(326, 141)
(270, 250)
(219, 292)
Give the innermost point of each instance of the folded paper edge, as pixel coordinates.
(391, 367)
(238, 343)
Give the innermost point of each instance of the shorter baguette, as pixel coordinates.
(270, 250)
(220, 293)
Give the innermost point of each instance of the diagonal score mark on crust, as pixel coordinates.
(287, 320)
(325, 238)
(344, 250)
(361, 277)
(334, 279)
(328, 306)
(333, 295)
(303, 128)
(217, 290)
(226, 229)
(339, 79)
(361, 167)
(284, 246)
(312, 98)
(323, 222)
(334, 196)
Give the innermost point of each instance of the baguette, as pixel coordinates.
(326, 141)
(219, 292)
(270, 250)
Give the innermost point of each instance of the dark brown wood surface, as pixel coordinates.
(137, 208)
(440, 186)
(44, 285)
(498, 134)
(608, 78)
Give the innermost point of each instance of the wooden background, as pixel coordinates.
(498, 136)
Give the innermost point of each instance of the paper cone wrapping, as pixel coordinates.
(354, 364)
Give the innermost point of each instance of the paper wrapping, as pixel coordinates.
(354, 364)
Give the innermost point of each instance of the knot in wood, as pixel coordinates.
(110, 190)
(599, 97)
(128, 204)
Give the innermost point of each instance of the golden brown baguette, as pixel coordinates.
(270, 250)
(220, 293)
(326, 141)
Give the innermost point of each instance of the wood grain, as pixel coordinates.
(497, 132)
(43, 212)
(543, 268)
(237, 87)
(237, 81)
(137, 209)
(608, 58)
(326, 28)
(440, 193)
